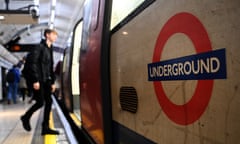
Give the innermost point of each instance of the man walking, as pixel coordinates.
(42, 78)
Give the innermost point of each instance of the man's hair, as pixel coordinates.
(48, 31)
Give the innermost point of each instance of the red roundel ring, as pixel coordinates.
(191, 111)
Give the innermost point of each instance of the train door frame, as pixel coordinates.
(105, 73)
(121, 133)
(75, 94)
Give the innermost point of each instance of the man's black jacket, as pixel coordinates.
(41, 63)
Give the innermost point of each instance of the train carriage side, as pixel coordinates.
(94, 100)
(175, 73)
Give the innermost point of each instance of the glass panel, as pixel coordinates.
(75, 69)
(75, 60)
(121, 9)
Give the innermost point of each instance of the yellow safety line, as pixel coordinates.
(50, 139)
(75, 119)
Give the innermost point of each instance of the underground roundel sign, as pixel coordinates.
(204, 66)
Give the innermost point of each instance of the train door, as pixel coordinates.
(94, 72)
(70, 72)
(77, 36)
(66, 82)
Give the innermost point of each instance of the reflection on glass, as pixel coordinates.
(121, 9)
(75, 59)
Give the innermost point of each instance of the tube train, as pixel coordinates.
(155, 71)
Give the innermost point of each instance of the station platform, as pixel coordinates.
(11, 130)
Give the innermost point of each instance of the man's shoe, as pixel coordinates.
(25, 123)
(49, 131)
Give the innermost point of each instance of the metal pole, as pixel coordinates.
(7, 4)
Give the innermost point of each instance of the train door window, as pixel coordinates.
(124, 10)
(121, 9)
(77, 36)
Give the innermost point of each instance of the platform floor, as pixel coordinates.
(11, 130)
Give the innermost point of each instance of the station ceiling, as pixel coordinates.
(26, 19)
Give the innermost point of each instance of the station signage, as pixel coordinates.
(208, 65)
(204, 66)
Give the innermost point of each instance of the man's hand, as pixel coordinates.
(53, 87)
(36, 85)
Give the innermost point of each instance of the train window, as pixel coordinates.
(77, 38)
(75, 59)
(121, 9)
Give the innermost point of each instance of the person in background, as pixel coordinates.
(25, 74)
(13, 78)
(22, 87)
(43, 78)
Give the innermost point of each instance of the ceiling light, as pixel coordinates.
(54, 3)
(36, 2)
(52, 17)
(2, 17)
(51, 26)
